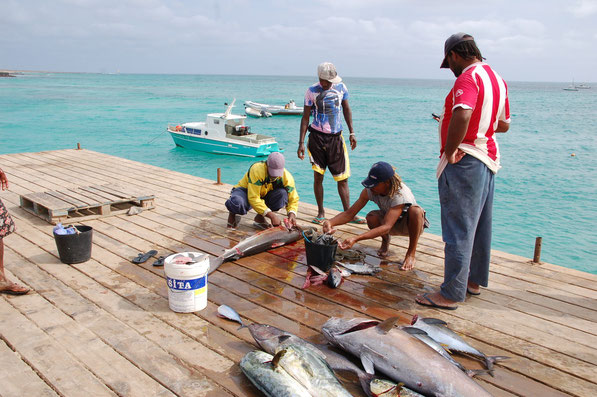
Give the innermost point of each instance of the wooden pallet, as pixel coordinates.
(84, 203)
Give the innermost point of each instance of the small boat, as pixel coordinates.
(289, 109)
(256, 113)
(571, 87)
(582, 86)
(223, 133)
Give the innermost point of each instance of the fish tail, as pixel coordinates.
(241, 327)
(475, 372)
(365, 381)
(490, 360)
(214, 263)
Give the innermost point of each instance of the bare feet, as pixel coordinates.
(437, 300)
(408, 263)
(233, 220)
(260, 222)
(10, 288)
(384, 251)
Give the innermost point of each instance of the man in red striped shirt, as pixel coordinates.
(475, 109)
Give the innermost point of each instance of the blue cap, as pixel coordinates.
(379, 172)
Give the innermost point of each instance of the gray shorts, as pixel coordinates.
(400, 228)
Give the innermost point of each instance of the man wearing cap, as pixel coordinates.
(476, 108)
(326, 146)
(398, 213)
(266, 187)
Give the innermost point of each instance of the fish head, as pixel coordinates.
(269, 337)
(336, 329)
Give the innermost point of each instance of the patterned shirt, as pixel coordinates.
(481, 89)
(326, 106)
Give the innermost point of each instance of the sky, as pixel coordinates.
(524, 40)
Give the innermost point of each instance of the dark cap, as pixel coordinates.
(379, 172)
(452, 42)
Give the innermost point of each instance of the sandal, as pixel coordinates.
(159, 261)
(10, 288)
(318, 220)
(358, 220)
(141, 258)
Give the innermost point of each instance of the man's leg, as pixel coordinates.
(374, 219)
(237, 204)
(416, 219)
(479, 268)
(344, 193)
(6, 286)
(318, 191)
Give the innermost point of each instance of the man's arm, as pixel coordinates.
(348, 215)
(348, 118)
(388, 222)
(303, 131)
(502, 126)
(456, 133)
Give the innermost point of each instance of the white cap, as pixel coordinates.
(327, 71)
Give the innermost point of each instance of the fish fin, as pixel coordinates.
(283, 338)
(430, 320)
(490, 360)
(386, 325)
(474, 372)
(317, 270)
(414, 331)
(367, 362)
(365, 381)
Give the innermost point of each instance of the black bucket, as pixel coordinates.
(75, 248)
(320, 255)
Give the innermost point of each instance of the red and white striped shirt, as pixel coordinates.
(481, 89)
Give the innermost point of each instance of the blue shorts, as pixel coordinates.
(238, 203)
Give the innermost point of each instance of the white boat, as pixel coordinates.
(289, 109)
(223, 133)
(582, 86)
(256, 113)
(571, 87)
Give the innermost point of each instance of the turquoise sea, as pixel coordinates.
(542, 189)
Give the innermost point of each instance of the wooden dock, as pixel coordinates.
(103, 327)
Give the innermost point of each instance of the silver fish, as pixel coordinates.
(225, 311)
(273, 382)
(438, 330)
(386, 388)
(432, 343)
(270, 338)
(309, 368)
(360, 268)
(334, 278)
(262, 241)
(400, 357)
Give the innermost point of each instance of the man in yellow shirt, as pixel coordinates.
(266, 187)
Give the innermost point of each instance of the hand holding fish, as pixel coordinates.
(290, 222)
(327, 227)
(274, 218)
(348, 243)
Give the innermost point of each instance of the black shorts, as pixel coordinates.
(328, 151)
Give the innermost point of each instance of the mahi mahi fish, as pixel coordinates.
(401, 357)
(438, 330)
(264, 240)
(270, 338)
(272, 381)
(309, 368)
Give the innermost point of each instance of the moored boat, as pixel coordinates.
(223, 133)
(288, 109)
(256, 113)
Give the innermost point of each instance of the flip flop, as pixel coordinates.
(318, 220)
(141, 258)
(358, 220)
(159, 261)
(473, 292)
(13, 289)
(433, 304)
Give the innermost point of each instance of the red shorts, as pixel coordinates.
(328, 151)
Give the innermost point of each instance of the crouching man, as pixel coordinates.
(266, 187)
(398, 213)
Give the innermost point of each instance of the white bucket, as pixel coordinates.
(187, 283)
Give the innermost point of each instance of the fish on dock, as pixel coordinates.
(438, 330)
(402, 358)
(271, 381)
(360, 268)
(229, 313)
(333, 278)
(262, 241)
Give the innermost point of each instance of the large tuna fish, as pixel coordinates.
(400, 357)
(438, 330)
(272, 381)
(264, 240)
(309, 368)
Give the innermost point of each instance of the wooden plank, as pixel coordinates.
(18, 379)
(73, 202)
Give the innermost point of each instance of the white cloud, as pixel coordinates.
(584, 8)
